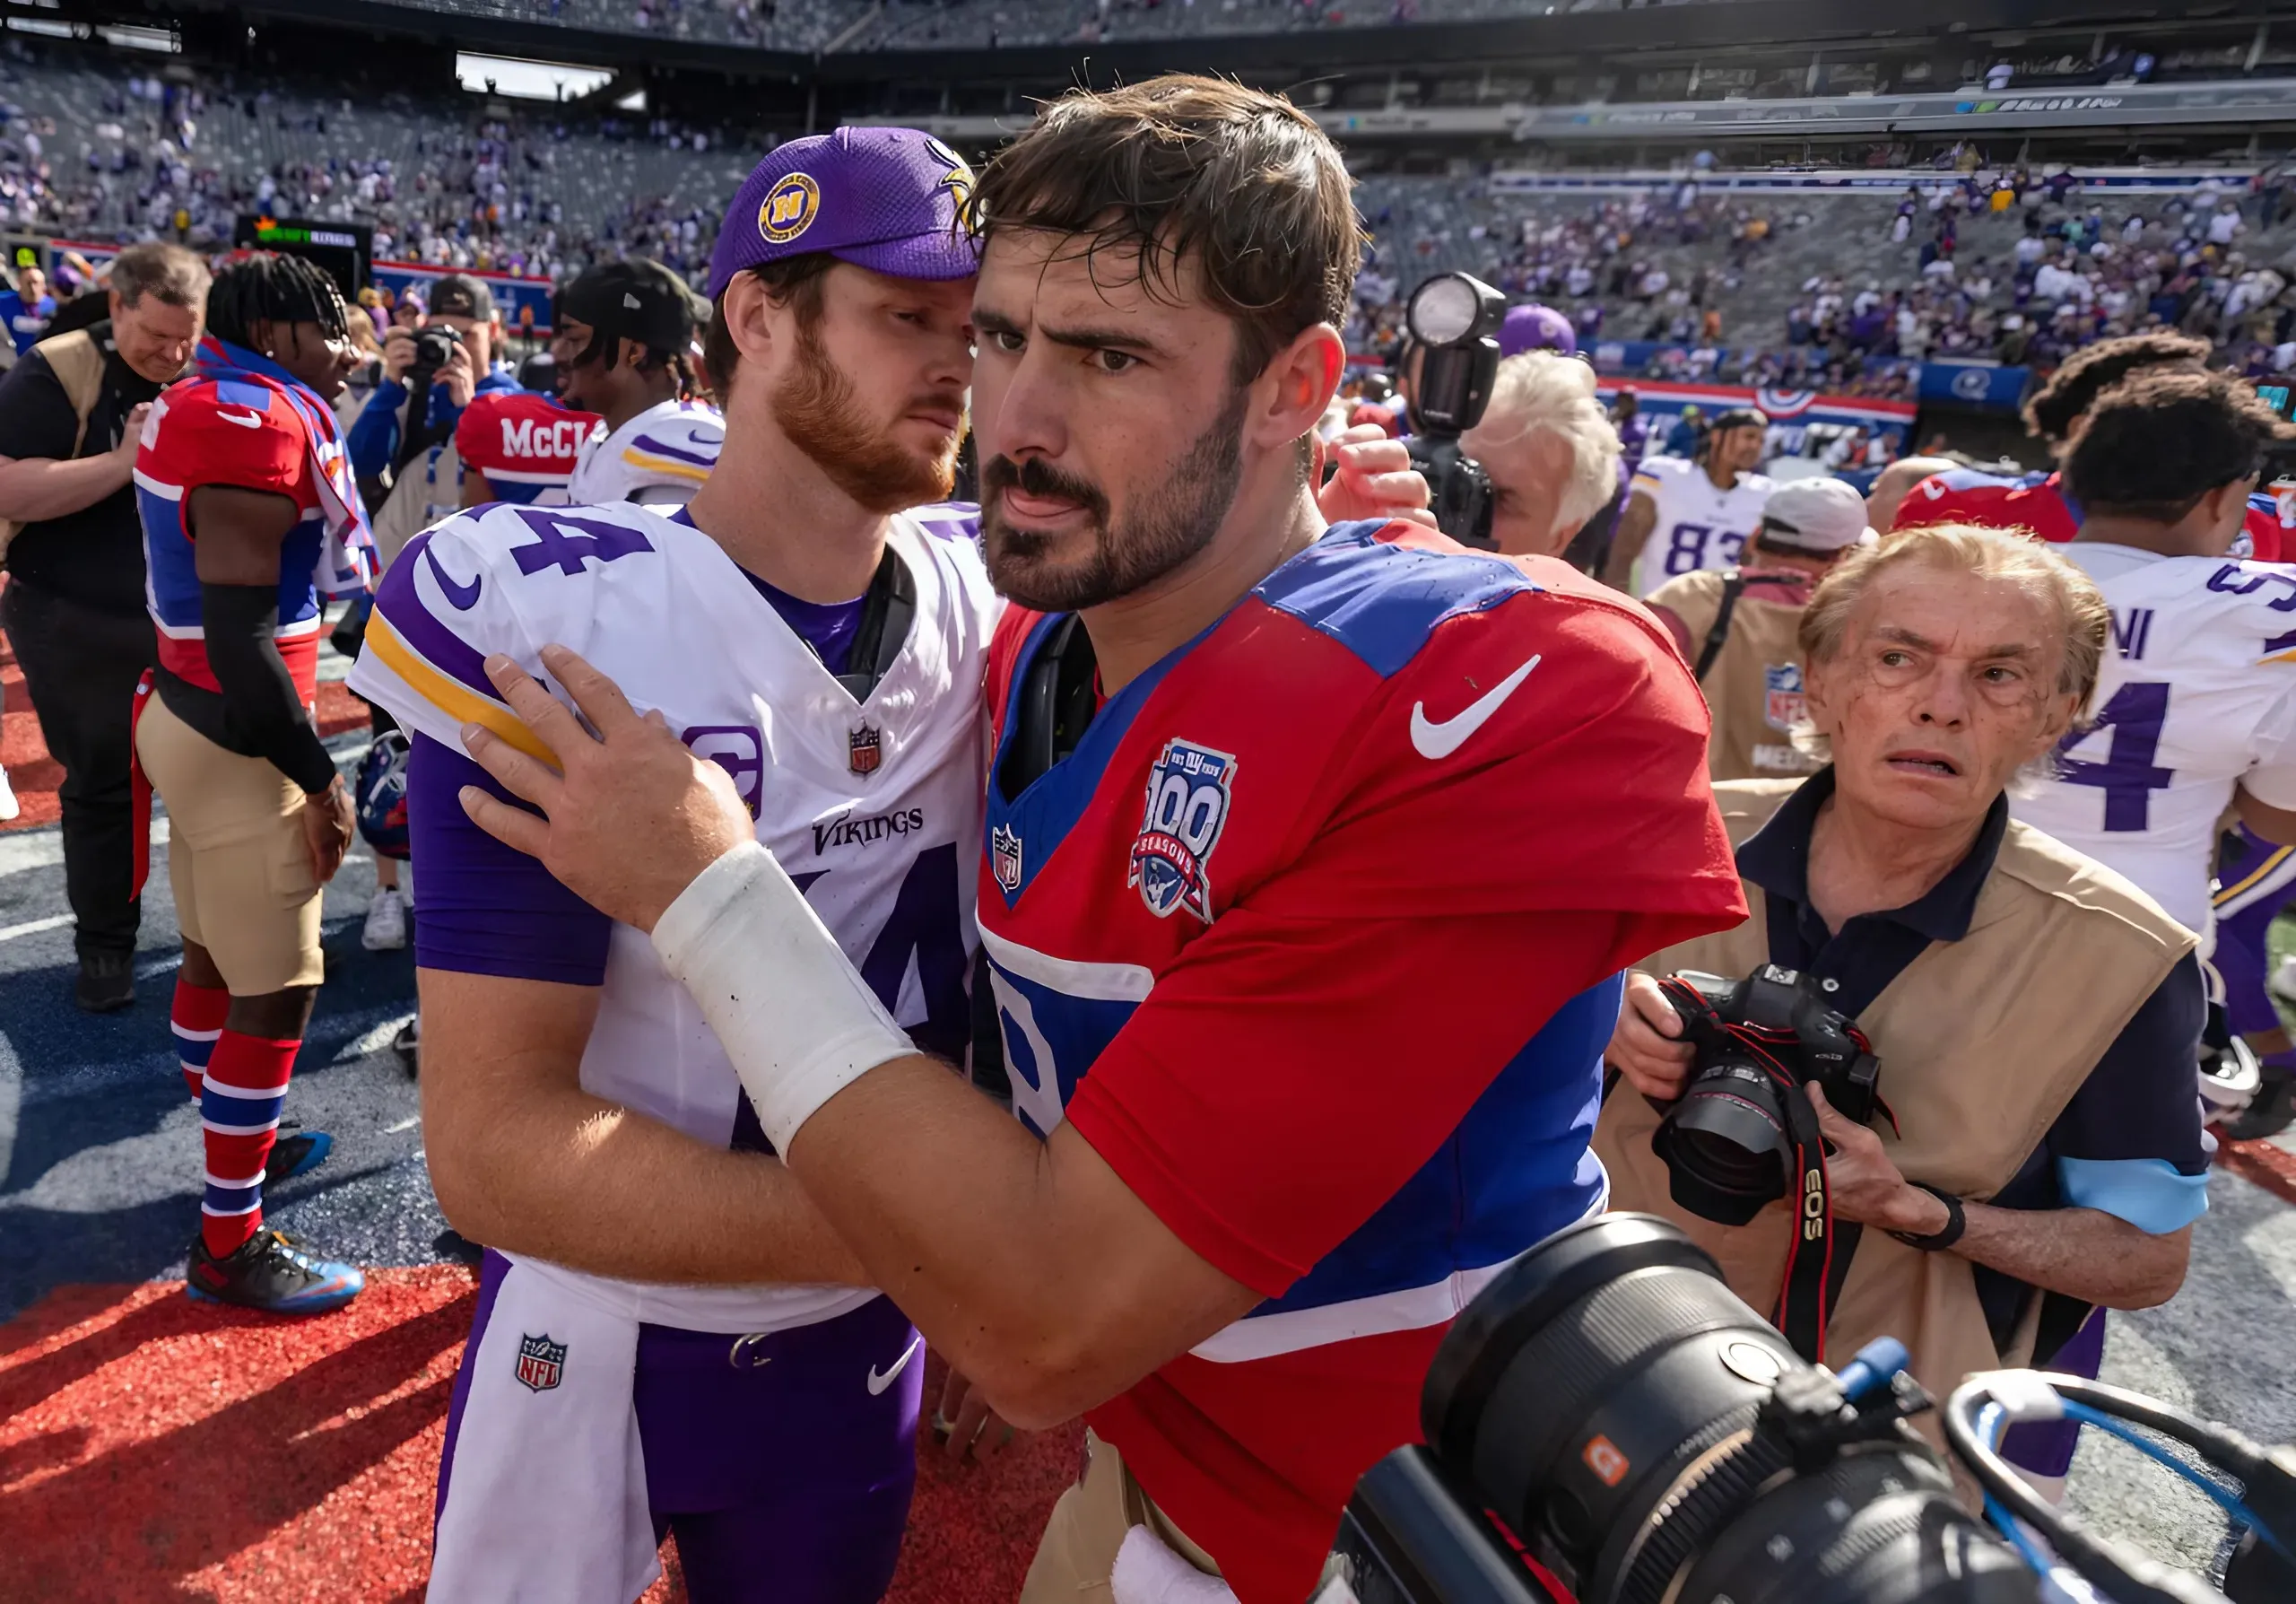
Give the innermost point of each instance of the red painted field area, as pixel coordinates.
(151, 1449)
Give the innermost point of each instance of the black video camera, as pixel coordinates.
(1454, 358)
(1608, 1422)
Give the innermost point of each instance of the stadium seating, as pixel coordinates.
(530, 193)
(1753, 259)
(86, 153)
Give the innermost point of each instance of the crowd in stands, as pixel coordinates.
(1847, 291)
(88, 155)
(1840, 290)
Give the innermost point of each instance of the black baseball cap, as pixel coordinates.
(641, 301)
(459, 295)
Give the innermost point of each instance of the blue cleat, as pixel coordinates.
(267, 1272)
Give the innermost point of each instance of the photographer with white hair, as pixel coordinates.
(1550, 449)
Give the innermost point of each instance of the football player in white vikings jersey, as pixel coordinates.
(2196, 703)
(621, 334)
(1684, 516)
(663, 1343)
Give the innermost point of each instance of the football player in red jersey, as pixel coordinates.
(2037, 502)
(250, 515)
(1313, 855)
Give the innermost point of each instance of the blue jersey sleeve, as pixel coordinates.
(488, 909)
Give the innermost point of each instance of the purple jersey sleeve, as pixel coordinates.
(487, 909)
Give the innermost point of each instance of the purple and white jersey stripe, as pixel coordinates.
(658, 459)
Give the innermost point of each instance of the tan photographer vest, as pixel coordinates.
(1753, 686)
(1982, 1040)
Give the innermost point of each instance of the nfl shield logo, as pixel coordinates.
(1005, 859)
(540, 1362)
(863, 750)
(1190, 787)
(1782, 694)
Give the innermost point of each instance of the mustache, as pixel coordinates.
(1037, 477)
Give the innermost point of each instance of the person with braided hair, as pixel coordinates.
(250, 516)
(622, 333)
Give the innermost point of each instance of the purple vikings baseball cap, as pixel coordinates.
(882, 199)
(1536, 328)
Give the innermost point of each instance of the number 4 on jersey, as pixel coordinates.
(2128, 776)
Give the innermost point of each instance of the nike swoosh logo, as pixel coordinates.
(1435, 741)
(464, 596)
(253, 420)
(878, 1384)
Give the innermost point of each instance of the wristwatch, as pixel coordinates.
(1937, 1240)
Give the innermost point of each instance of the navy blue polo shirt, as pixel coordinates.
(2128, 1144)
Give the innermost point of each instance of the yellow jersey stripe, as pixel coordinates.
(2272, 861)
(450, 696)
(663, 465)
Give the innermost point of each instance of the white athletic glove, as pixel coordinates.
(798, 1023)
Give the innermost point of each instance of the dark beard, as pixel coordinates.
(816, 409)
(1172, 524)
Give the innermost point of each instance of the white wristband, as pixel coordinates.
(796, 1021)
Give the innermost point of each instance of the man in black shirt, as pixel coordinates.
(73, 607)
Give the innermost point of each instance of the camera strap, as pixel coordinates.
(1805, 1295)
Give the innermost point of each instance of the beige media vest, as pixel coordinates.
(1754, 687)
(1982, 1040)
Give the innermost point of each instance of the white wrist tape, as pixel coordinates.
(796, 1021)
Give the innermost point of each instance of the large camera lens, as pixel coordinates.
(1726, 1145)
(1601, 1399)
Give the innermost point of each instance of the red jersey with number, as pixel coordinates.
(1316, 938)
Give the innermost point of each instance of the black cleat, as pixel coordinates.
(408, 1045)
(107, 982)
(296, 1153)
(451, 1243)
(2271, 1112)
(267, 1272)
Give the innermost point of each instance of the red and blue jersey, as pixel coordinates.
(2036, 503)
(523, 442)
(242, 422)
(1316, 938)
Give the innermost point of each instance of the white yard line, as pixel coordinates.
(34, 927)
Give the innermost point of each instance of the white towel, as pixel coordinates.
(546, 1493)
(1150, 1571)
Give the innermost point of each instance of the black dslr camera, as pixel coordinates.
(434, 348)
(1729, 1138)
(1453, 318)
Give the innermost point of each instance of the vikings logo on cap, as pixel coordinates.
(958, 179)
(1190, 787)
(788, 208)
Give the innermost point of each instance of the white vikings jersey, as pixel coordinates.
(2197, 695)
(875, 808)
(1697, 525)
(658, 459)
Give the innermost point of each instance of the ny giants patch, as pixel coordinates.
(1189, 790)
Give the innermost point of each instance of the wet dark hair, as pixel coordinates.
(2054, 410)
(2154, 444)
(1183, 168)
(267, 286)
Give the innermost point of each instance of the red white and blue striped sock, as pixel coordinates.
(196, 1019)
(246, 1085)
